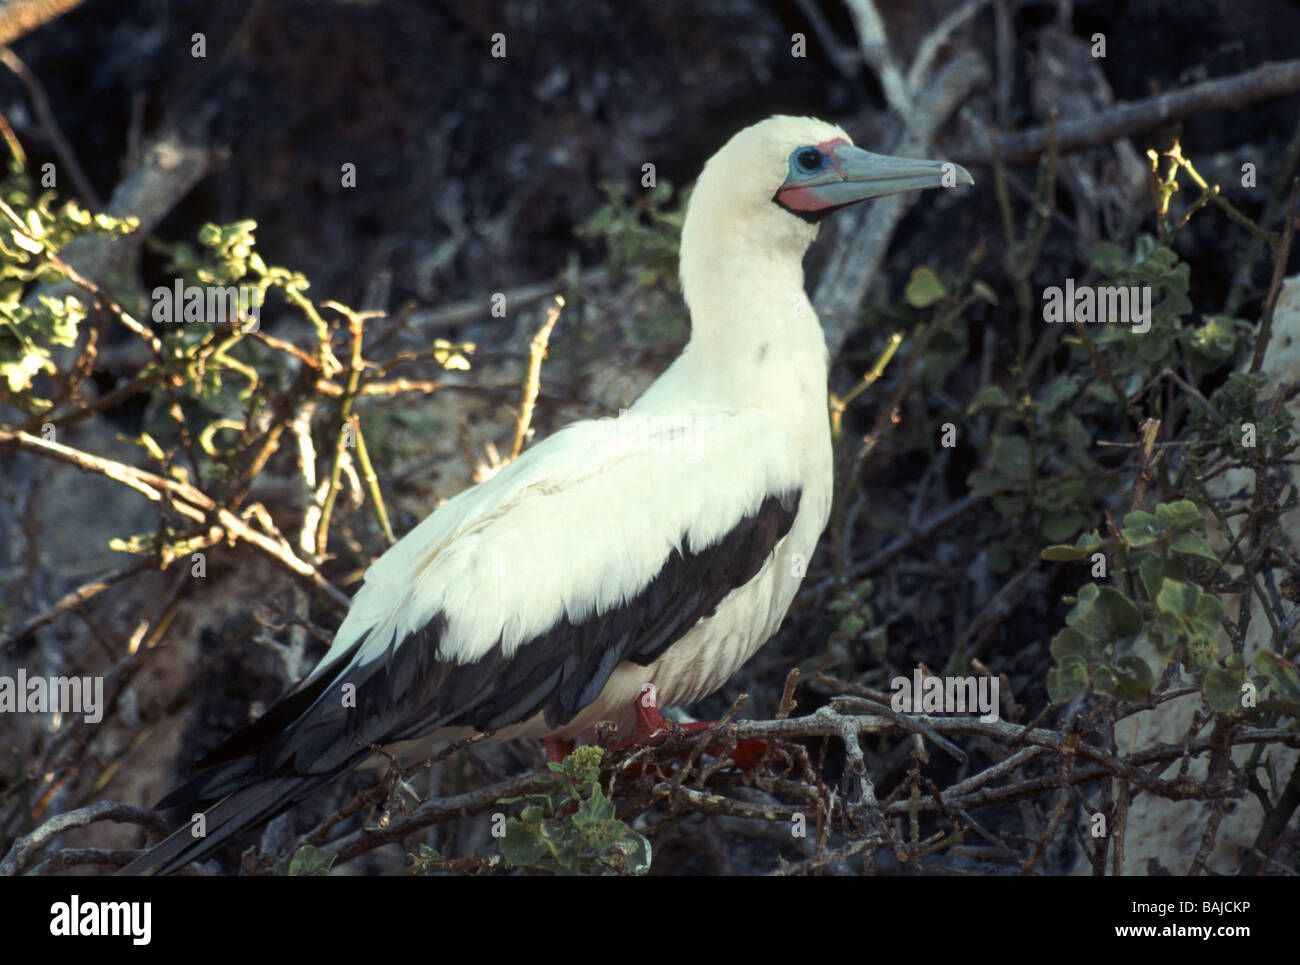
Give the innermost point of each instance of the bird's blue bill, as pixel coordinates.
(834, 174)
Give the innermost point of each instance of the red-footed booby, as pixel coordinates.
(660, 549)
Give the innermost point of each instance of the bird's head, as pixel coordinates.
(770, 185)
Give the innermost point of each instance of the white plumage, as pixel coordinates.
(663, 547)
(579, 525)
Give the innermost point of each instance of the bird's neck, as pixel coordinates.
(755, 338)
(740, 297)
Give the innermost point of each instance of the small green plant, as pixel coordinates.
(641, 236)
(34, 232)
(570, 828)
(306, 862)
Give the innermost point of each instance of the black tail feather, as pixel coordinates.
(243, 809)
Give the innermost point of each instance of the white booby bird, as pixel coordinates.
(661, 548)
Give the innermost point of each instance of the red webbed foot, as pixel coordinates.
(651, 728)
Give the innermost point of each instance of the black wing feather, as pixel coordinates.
(310, 735)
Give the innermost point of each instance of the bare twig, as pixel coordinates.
(1125, 120)
(533, 382)
(24, 848)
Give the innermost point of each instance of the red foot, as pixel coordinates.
(556, 749)
(652, 729)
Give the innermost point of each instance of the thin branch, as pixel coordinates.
(50, 125)
(1125, 120)
(24, 848)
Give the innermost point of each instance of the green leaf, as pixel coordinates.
(1153, 570)
(25, 243)
(1208, 616)
(1165, 633)
(595, 810)
(1216, 340)
(1107, 258)
(1140, 529)
(1063, 553)
(1177, 598)
(521, 846)
(1068, 680)
(311, 862)
(1182, 514)
(1011, 456)
(1133, 678)
(923, 288)
(1060, 527)
(991, 398)
(1103, 678)
(635, 852)
(986, 483)
(1062, 389)
(1084, 615)
(1190, 544)
(1070, 642)
(999, 558)
(1104, 614)
(1281, 674)
(1222, 690)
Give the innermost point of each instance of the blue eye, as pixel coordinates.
(809, 159)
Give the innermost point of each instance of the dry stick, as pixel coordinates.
(1276, 196)
(473, 309)
(787, 705)
(1274, 824)
(828, 723)
(1220, 759)
(253, 459)
(21, 17)
(74, 599)
(1004, 59)
(76, 857)
(146, 376)
(434, 811)
(25, 847)
(830, 857)
(1124, 120)
(1120, 825)
(899, 546)
(874, 44)
(963, 796)
(371, 481)
(183, 497)
(719, 804)
(1279, 270)
(282, 346)
(70, 383)
(1048, 834)
(976, 636)
(906, 721)
(41, 108)
(356, 326)
(532, 384)
(919, 72)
